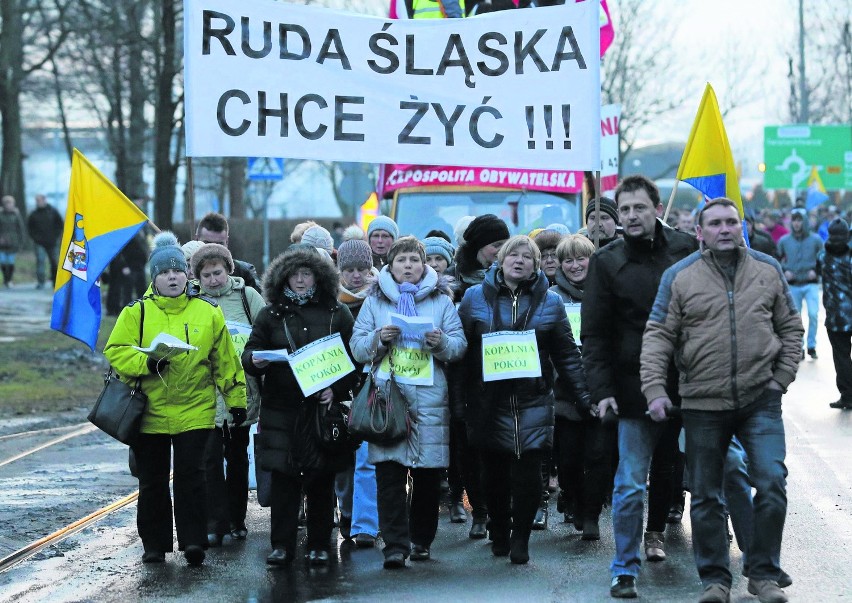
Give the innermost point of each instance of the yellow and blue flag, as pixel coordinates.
(816, 191)
(99, 222)
(707, 163)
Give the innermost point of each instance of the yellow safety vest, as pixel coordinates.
(430, 9)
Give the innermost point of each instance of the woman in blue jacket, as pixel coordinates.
(511, 420)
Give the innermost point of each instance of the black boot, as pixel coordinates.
(519, 548)
(540, 521)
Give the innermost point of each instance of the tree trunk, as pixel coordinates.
(164, 115)
(11, 75)
(235, 174)
(136, 188)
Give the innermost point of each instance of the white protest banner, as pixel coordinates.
(320, 363)
(610, 117)
(517, 89)
(510, 355)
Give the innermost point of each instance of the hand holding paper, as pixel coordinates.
(413, 328)
(271, 355)
(165, 346)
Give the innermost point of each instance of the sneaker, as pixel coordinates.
(715, 593)
(623, 587)
(654, 550)
(812, 353)
(842, 404)
(767, 591)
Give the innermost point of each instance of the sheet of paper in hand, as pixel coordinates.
(165, 346)
(281, 355)
(414, 328)
(510, 355)
(573, 313)
(320, 363)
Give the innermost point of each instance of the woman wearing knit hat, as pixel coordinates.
(409, 287)
(482, 240)
(381, 234)
(227, 491)
(181, 390)
(439, 254)
(356, 487)
(301, 287)
(318, 237)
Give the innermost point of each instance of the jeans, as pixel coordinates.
(365, 511)
(153, 454)
(227, 489)
(46, 256)
(841, 351)
(400, 526)
(810, 294)
(760, 430)
(638, 440)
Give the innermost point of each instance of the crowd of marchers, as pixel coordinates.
(659, 332)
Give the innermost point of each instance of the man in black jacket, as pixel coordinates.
(619, 292)
(45, 227)
(213, 228)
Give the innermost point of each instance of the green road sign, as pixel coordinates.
(790, 151)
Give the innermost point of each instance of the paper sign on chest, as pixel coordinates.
(510, 355)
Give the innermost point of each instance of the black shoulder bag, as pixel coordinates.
(119, 409)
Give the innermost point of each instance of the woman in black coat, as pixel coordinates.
(301, 287)
(511, 421)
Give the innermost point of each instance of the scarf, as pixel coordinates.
(300, 299)
(405, 305)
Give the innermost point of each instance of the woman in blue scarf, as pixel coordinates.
(407, 286)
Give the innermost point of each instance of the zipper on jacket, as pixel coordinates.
(513, 399)
(729, 286)
(186, 333)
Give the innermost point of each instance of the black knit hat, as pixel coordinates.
(485, 230)
(607, 207)
(838, 232)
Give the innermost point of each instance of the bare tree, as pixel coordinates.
(31, 32)
(636, 71)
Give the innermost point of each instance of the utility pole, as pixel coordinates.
(803, 84)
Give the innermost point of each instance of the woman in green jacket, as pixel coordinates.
(181, 388)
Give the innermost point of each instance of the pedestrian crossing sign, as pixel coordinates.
(265, 168)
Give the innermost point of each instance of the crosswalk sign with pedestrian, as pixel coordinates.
(265, 168)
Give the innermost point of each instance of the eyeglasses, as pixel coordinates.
(548, 256)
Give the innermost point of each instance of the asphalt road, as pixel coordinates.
(102, 563)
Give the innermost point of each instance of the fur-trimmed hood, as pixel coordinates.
(286, 264)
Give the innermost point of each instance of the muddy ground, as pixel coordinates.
(48, 490)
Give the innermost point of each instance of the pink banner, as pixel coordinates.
(396, 176)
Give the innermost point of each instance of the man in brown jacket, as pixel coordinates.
(726, 315)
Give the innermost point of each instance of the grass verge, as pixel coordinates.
(49, 372)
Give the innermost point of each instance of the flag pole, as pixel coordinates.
(597, 209)
(671, 200)
(190, 186)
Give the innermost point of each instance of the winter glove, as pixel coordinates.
(157, 366)
(238, 416)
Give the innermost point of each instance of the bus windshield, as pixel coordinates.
(419, 212)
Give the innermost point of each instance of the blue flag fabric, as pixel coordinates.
(99, 222)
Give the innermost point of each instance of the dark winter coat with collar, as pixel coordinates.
(835, 267)
(281, 397)
(618, 295)
(517, 415)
